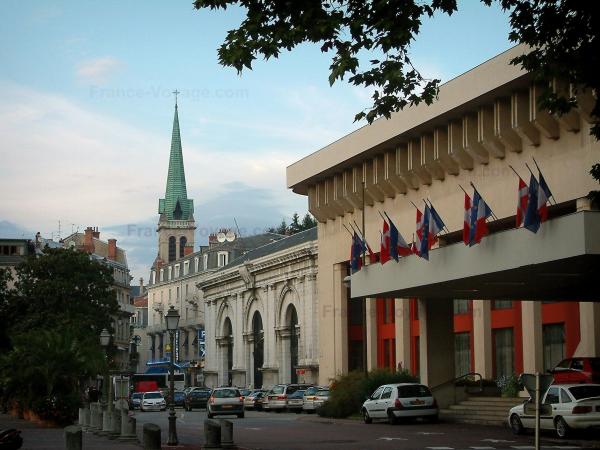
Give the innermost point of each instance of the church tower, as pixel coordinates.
(176, 222)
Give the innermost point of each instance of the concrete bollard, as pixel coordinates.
(226, 434)
(106, 423)
(151, 437)
(95, 417)
(115, 428)
(80, 417)
(212, 433)
(73, 438)
(128, 424)
(86, 417)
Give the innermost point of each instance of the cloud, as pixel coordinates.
(98, 70)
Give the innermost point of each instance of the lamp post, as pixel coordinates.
(104, 341)
(172, 320)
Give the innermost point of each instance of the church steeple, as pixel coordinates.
(176, 205)
(176, 223)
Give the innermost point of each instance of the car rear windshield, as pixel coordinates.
(153, 395)
(136, 395)
(278, 389)
(311, 391)
(323, 393)
(201, 394)
(413, 391)
(226, 393)
(584, 391)
(595, 363)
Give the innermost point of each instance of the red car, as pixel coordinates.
(577, 370)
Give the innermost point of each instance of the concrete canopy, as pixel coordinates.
(560, 262)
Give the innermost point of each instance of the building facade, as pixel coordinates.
(518, 301)
(261, 316)
(109, 254)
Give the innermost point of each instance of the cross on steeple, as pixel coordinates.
(176, 92)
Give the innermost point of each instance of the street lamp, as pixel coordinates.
(104, 341)
(172, 320)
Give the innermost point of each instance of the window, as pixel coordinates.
(172, 248)
(169, 294)
(552, 395)
(388, 311)
(162, 274)
(177, 270)
(170, 269)
(182, 244)
(553, 337)
(377, 393)
(196, 264)
(462, 353)
(504, 351)
(186, 268)
(461, 306)
(502, 304)
(205, 261)
(222, 258)
(577, 364)
(177, 295)
(387, 393)
(153, 277)
(187, 290)
(564, 397)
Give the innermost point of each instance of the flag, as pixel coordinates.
(419, 228)
(467, 221)
(473, 217)
(532, 217)
(424, 248)
(356, 253)
(522, 198)
(398, 246)
(544, 195)
(384, 255)
(413, 247)
(436, 225)
(483, 212)
(372, 256)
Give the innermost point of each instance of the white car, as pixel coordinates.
(153, 401)
(574, 406)
(400, 400)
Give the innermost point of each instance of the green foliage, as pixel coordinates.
(348, 392)
(295, 226)
(370, 42)
(509, 385)
(595, 195)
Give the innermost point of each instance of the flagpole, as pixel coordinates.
(414, 204)
(529, 168)
(344, 225)
(364, 301)
(445, 228)
(513, 169)
(463, 189)
(363, 219)
(382, 214)
(540, 170)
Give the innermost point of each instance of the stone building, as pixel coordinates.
(518, 301)
(261, 316)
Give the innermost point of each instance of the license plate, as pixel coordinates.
(417, 402)
(226, 406)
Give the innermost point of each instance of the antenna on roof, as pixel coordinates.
(238, 228)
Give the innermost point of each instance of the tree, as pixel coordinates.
(308, 222)
(563, 35)
(295, 226)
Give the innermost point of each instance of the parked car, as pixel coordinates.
(153, 401)
(135, 400)
(225, 401)
(295, 401)
(308, 401)
(254, 400)
(321, 396)
(198, 398)
(577, 370)
(278, 395)
(404, 400)
(179, 398)
(244, 392)
(574, 406)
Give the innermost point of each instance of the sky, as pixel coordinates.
(86, 113)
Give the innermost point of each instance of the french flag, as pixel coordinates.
(532, 220)
(483, 212)
(356, 253)
(398, 246)
(523, 197)
(384, 255)
(419, 228)
(544, 195)
(424, 248)
(436, 225)
(467, 220)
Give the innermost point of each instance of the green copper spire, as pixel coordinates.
(176, 205)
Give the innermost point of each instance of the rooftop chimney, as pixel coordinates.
(141, 286)
(112, 249)
(88, 240)
(96, 233)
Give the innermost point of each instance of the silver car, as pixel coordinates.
(153, 401)
(225, 401)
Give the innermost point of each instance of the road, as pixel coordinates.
(289, 431)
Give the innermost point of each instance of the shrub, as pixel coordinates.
(509, 385)
(348, 392)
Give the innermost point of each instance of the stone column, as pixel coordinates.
(402, 328)
(371, 324)
(339, 314)
(115, 429)
(533, 353)
(128, 427)
(436, 322)
(589, 325)
(73, 438)
(285, 357)
(482, 337)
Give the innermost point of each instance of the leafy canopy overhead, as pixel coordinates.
(562, 33)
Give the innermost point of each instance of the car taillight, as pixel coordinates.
(281, 397)
(398, 404)
(241, 399)
(581, 409)
(212, 400)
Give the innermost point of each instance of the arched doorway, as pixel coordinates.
(258, 349)
(228, 352)
(292, 322)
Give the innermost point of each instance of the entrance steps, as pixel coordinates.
(480, 410)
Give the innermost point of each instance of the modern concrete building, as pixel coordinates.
(518, 301)
(13, 252)
(261, 316)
